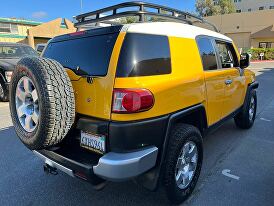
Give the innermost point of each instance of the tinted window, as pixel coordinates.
(85, 56)
(144, 55)
(227, 55)
(207, 53)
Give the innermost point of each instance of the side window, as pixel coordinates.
(144, 55)
(207, 53)
(227, 55)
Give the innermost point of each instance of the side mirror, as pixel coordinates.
(245, 60)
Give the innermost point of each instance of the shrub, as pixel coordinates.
(268, 53)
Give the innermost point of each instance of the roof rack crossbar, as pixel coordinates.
(142, 10)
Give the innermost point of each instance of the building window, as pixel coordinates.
(271, 7)
(261, 8)
(216, 3)
(238, 10)
(249, 10)
(266, 44)
(8, 28)
(235, 1)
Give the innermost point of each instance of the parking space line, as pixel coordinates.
(226, 172)
(267, 120)
(4, 128)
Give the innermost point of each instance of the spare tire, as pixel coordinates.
(42, 103)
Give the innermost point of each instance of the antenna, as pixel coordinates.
(81, 6)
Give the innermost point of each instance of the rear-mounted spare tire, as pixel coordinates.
(42, 103)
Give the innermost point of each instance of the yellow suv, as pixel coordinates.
(134, 101)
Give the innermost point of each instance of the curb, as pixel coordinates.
(263, 61)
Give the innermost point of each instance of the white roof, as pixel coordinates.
(173, 29)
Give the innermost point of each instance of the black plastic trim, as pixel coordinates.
(150, 180)
(218, 124)
(133, 135)
(253, 85)
(93, 125)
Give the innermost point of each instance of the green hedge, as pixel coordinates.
(255, 52)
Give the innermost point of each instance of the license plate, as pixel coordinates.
(93, 142)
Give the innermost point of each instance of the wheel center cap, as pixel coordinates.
(30, 109)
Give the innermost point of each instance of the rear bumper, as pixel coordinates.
(121, 166)
(112, 166)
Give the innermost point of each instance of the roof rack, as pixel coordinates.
(138, 9)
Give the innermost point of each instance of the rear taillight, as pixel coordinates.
(131, 100)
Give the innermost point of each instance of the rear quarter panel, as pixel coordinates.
(183, 88)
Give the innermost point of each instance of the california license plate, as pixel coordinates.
(93, 142)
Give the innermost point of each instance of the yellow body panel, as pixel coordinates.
(95, 99)
(235, 92)
(183, 88)
(215, 92)
(187, 85)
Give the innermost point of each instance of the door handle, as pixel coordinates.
(228, 81)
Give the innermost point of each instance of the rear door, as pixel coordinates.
(234, 78)
(214, 79)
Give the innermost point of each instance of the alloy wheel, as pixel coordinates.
(186, 165)
(27, 104)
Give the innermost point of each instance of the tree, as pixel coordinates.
(226, 6)
(128, 20)
(207, 7)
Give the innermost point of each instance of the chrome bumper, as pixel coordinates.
(121, 166)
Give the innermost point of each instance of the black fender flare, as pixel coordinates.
(251, 86)
(152, 179)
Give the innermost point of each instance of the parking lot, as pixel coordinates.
(238, 167)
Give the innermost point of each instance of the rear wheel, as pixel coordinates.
(245, 119)
(183, 162)
(41, 102)
(3, 91)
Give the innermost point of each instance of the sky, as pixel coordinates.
(46, 10)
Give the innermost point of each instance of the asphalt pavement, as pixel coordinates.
(238, 167)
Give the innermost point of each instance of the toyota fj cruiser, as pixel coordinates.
(131, 101)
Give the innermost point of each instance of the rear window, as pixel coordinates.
(87, 56)
(144, 55)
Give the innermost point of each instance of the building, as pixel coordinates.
(250, 5)
(247, 29)
(253, 5)
(32, 32)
